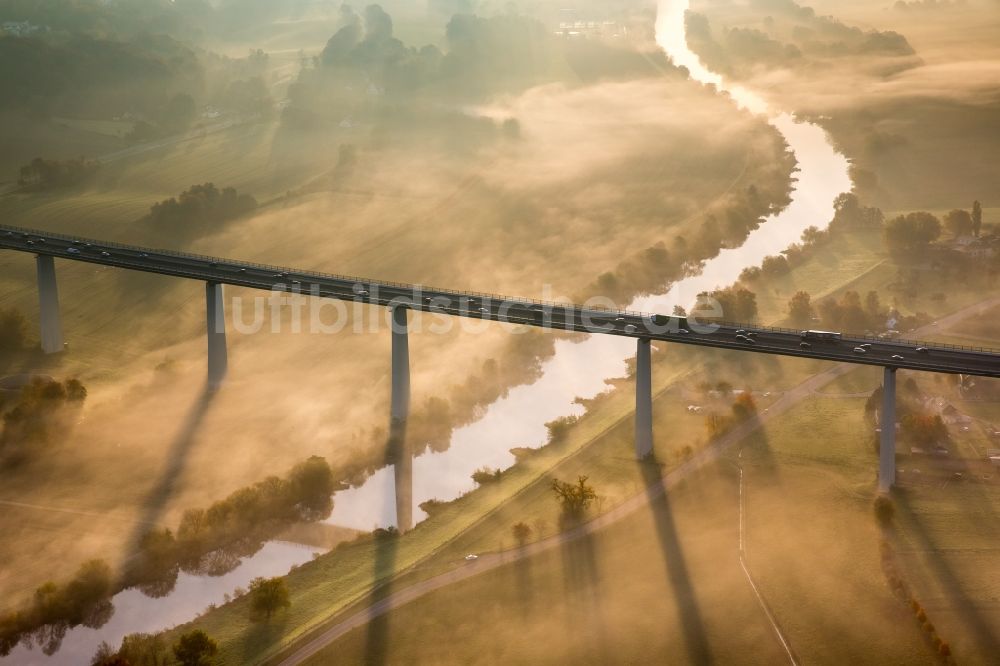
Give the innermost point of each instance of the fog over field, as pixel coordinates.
(543, 150)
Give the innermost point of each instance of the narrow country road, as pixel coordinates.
(702, 458)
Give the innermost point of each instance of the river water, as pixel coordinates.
(575, 370)
(135, 612)
(579, 369)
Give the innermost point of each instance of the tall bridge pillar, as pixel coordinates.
(887, 441)
(399, 412)
(643, 401)
(218, 356)
(48, 305)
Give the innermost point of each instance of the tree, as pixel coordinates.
(924, 429)
(13, 331)
(312, 484)
(852, 314)
(849, 213)
(736, 303)
(884, 510)
(522, 532)
(959, 222)
(268, 595)
(873, 305)
(575, 498)
(911, 232)
(800, 308)
(195, 648)
(106, 656)
(775, 265)
(91, 585)
(846, 209)
(744, 407)
(977, 218)
(75, 390)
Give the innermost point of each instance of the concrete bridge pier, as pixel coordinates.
(643, 401)
(48, 305)
(399, 449)
(887, 440)
(218, 356)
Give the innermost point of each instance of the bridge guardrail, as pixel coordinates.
(478, 294)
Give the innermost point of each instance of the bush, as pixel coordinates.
(485, 475)
(432, 506)
(559, 428)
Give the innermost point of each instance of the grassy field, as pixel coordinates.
(812, 544)
(136, 341)
(834, 473)
(338, 579)
(811, 540)
(834, 476)
(645, 588)
(558, 209)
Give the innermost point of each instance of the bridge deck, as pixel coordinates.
(906, 354)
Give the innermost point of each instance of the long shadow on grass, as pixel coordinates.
(582, 585)
(756, 450)
(179, 450)
(986, 639)
(695, 638)
(386, 547)
(524, 583)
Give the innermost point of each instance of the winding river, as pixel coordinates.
(579, 369)
(576, 370)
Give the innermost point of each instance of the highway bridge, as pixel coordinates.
(890, 354)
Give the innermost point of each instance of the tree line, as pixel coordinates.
(48, 174)
(240, 524)
(199, 210)
(234, 527)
